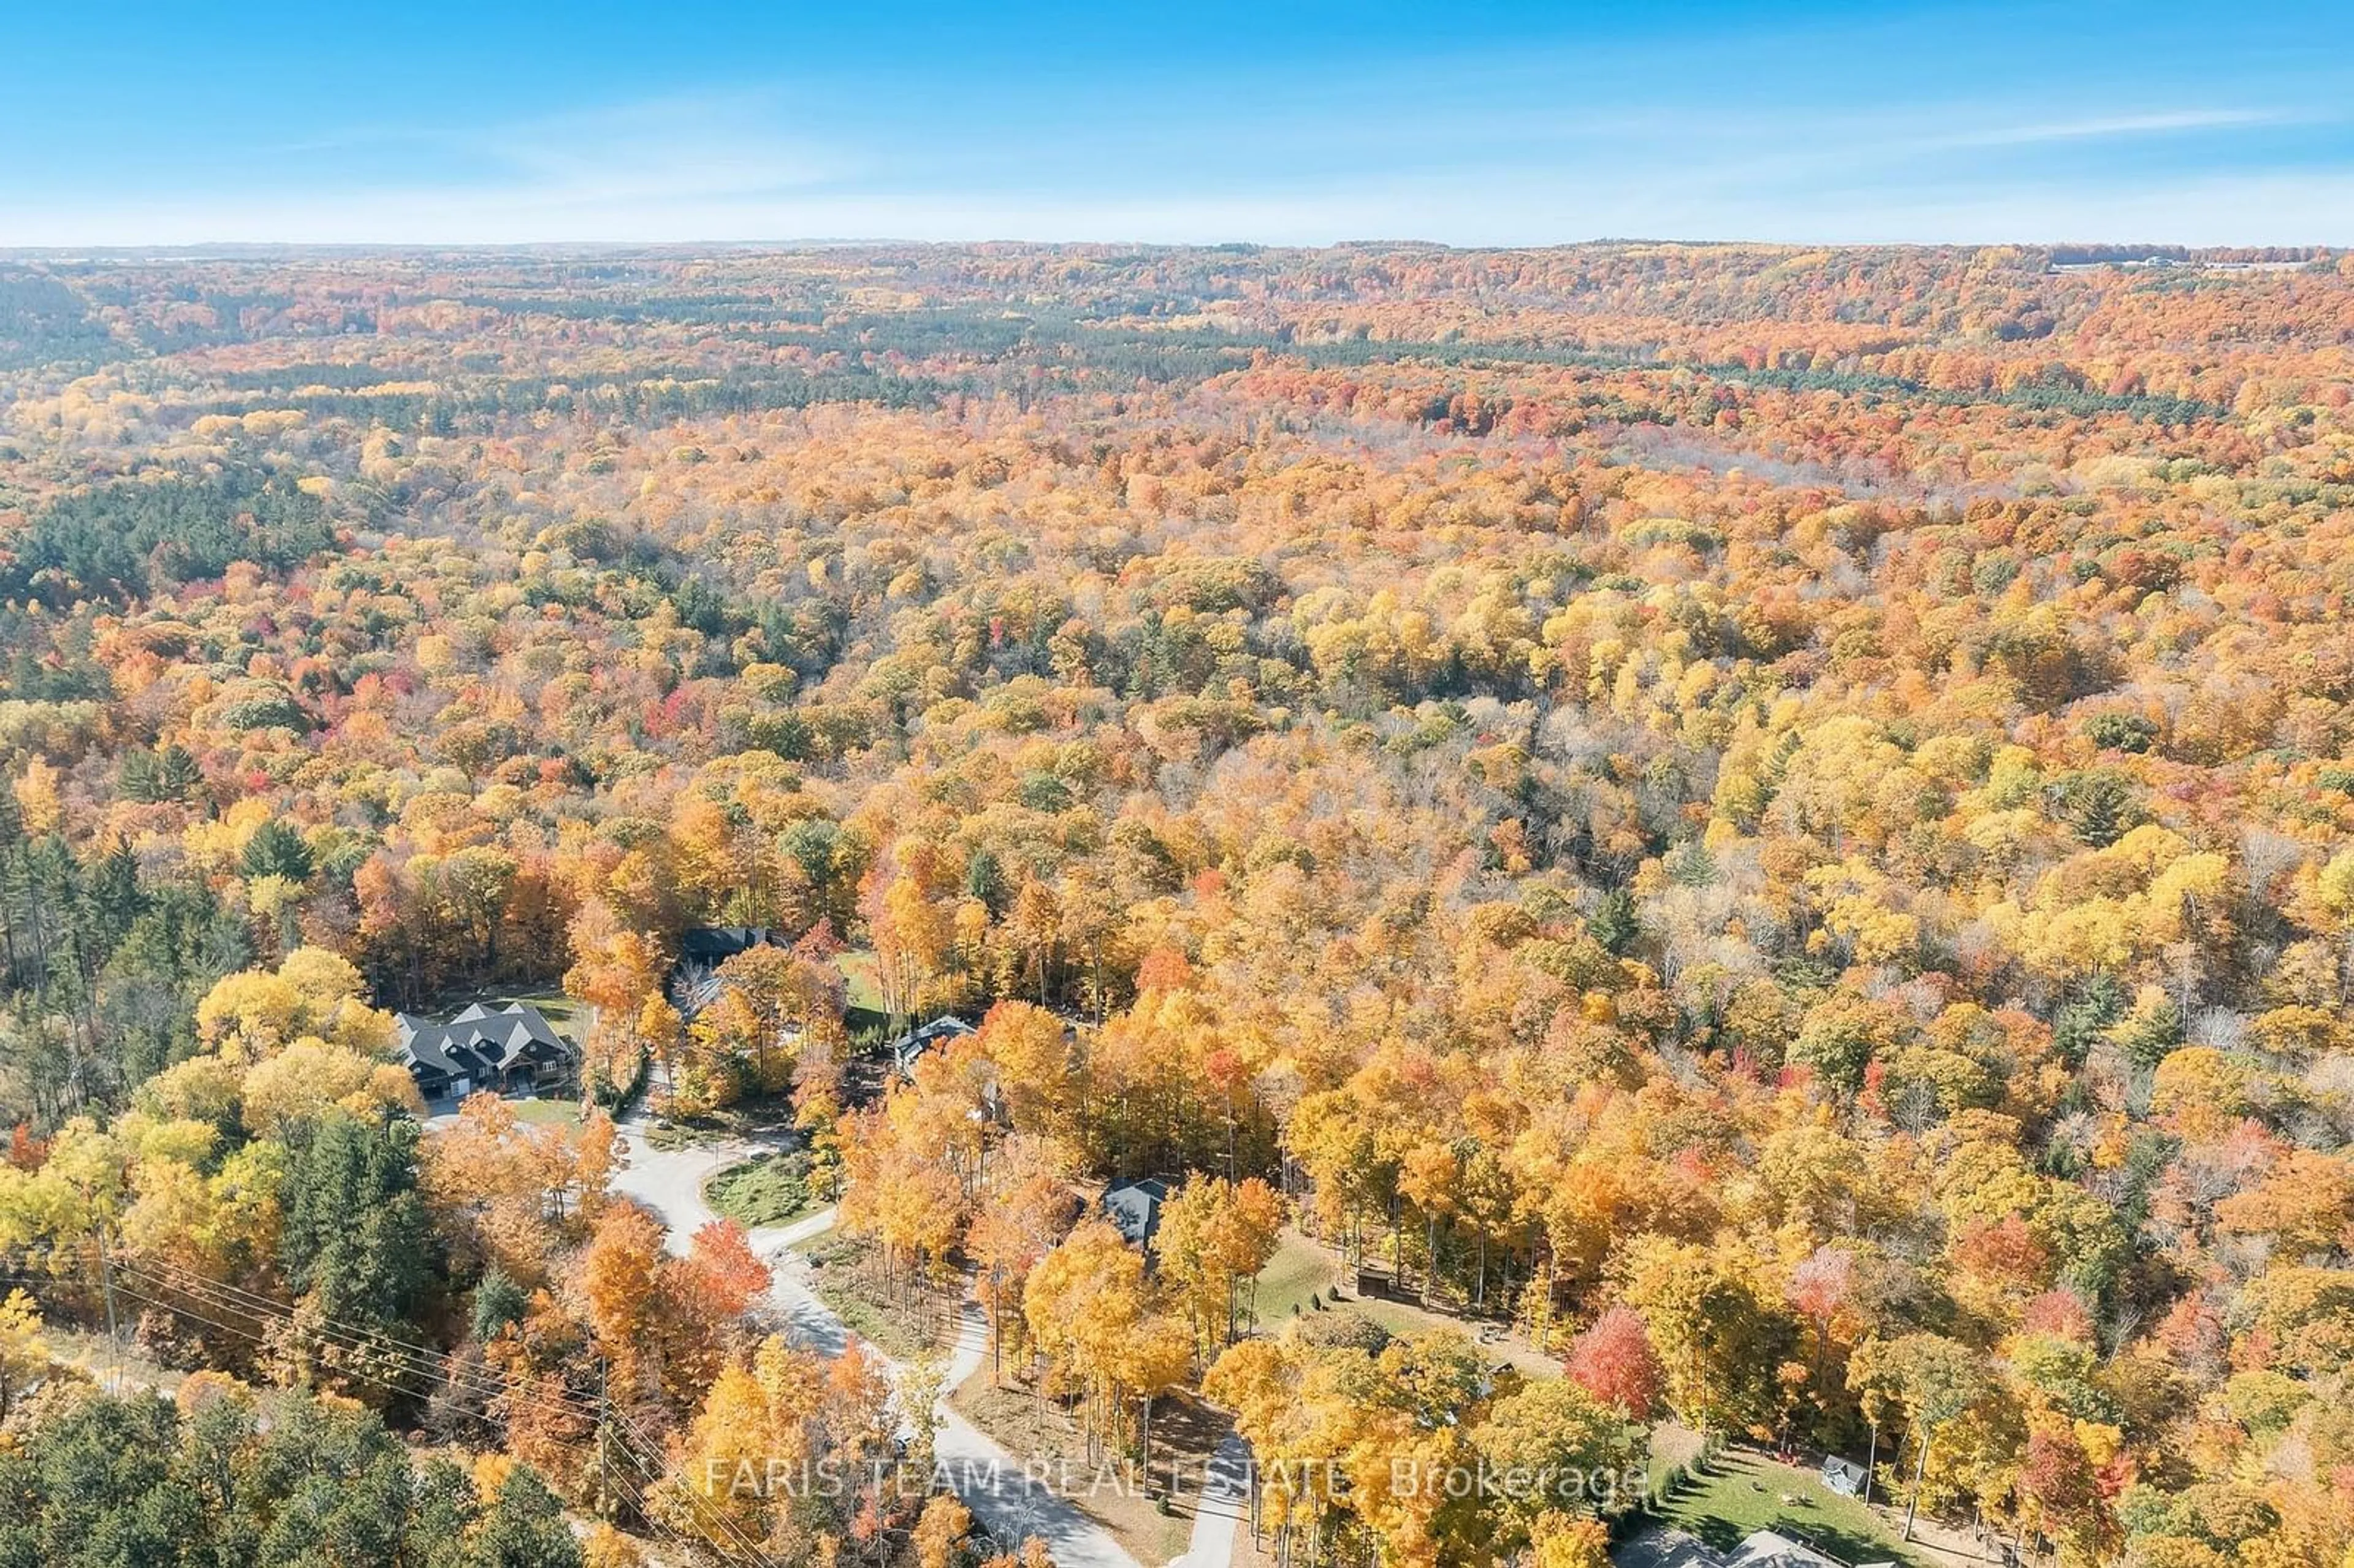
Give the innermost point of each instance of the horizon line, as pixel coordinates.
(2314, 250)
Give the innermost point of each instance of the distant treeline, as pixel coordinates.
(2060, 399)
(450, 411)
(42, 322)
(2095, 255)
(714, 308)
(1012, 353)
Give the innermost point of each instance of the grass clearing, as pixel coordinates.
(1299, 1270)
(547, 1112)
(1742, 1492)
(566, 1014)
(95, 1356)
(1302, 1272)
(767, 1190)
(843, 1274)
(861, 991)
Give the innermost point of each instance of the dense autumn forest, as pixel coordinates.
(1769, 831)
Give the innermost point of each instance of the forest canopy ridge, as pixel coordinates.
(1771, 829)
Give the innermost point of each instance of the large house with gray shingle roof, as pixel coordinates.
(512, 1048)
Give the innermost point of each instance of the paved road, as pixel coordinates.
(670, 1182)
(1224, 1505)
(987, 1479)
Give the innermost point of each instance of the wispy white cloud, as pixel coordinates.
(2099, 128)
(2280, 209)
(1811, 122)
(666, 150)
(759, 165)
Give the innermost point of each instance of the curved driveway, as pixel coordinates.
(987, 1480)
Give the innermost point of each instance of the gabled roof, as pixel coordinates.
(425, 1048)
(1843, 1476)
(1768, 1549)
(477, 1043)
(1134, 1207)
(938, 1029)
(1661, 1547)
(912, 1044)
(712, 942)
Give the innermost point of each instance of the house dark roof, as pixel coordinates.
(1663, 1547)
(711, 944)
(915, 1041)
(478, 1044)
(1844, 1477)
(1134, 1208)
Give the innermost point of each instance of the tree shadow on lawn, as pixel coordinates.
(1739, 1493)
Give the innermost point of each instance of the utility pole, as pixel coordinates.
(113, 1323)
(604, 1479)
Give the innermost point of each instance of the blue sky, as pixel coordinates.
(1472, 123)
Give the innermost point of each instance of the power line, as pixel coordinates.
(426, 1374)
(436, 1367)
(113, 1325)
(356, 1336)
(433, 1368)
(636, 1496)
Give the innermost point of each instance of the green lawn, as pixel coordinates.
(841, 1273)
(547, 1112)
(1742, 1491)
(861, 991)
(566, 1016)
(1298, 1271)
(767, 1190)
(562, 1013)
(1301, 1271)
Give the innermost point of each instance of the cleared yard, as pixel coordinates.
(1299, 1270)
(861, 992)
(769, 1189)
(1303, 1272)
(1743, 1493)
(1033, 1430)
(843, 1274)
(548, 1112)
(568, 1016)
